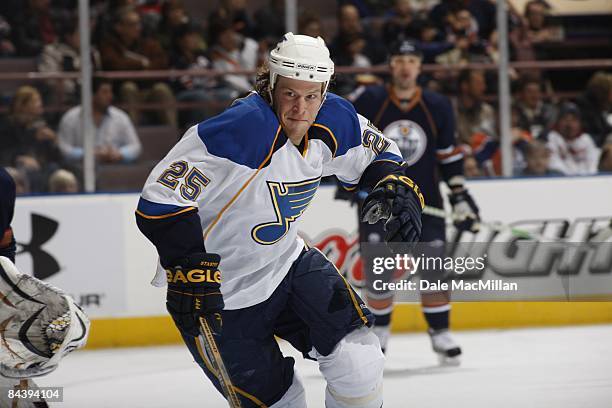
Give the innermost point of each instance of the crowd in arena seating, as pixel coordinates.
(550, 135)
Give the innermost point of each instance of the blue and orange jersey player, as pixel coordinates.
(422, 124)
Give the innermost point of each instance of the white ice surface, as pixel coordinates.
(569, 367)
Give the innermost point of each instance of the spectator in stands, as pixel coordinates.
(537, 158)
(124, 49)
(35, 27)
(151, 14)
(482, 14)
(22, 186)
(207, 91)
(352, 55)
(533, 29)
(270, 21)
(471, 168)
(64, 56)
(7, 48)
(234, 12)
(349, 25)
(473, 114)
(596, 107)
(106, 13)
(63, 181)
(537, 23)
(115, 137)
(231, 51)
(492, 54)
(487, 153)
(432, 43)
(403, 22)
(534, 114)
(573, 152)
(26, 141)
(173, 16)
(462, 31)
(309, 24)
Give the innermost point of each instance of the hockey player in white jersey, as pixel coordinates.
(223, 210)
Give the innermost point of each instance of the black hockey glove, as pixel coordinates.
(398, 200)
(194, 291)
(465, 211)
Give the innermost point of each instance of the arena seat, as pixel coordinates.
(123, 177)
(156, 141)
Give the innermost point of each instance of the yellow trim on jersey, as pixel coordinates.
(235, 197)
(348, 188)
(305, 146)
(160, 217)
(332, 136)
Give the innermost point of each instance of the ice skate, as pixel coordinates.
(445, 346)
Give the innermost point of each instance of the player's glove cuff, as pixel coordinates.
(194, 290)
(465, 211)
(398, 200)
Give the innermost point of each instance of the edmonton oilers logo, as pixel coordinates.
(410, 138)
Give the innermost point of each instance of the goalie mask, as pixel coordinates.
(301, 57)
(39, 324)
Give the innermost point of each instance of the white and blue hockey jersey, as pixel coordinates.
(250, 184)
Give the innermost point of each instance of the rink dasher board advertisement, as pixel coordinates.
(569, 211)
(89, 245)
(79, 243)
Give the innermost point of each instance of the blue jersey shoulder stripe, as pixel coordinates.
(243, 133)
(149, 209)
(339, 118)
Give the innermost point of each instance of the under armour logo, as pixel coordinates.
(44, 264)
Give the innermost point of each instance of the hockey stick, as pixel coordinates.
(214, 356)
(495, 226)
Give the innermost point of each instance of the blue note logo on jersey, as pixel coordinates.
(290, 200)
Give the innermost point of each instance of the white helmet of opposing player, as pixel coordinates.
(301, 57)
(39, 324)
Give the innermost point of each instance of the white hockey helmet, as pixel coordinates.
(301, 57)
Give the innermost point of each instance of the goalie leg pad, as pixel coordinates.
(353, 371)
(39, 324)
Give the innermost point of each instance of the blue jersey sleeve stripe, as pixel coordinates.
(151, 210)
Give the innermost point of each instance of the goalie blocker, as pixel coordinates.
(40, 324)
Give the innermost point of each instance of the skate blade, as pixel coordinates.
(447, 361)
